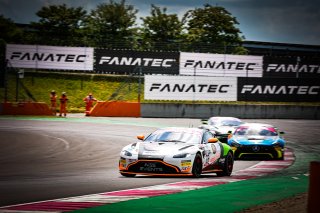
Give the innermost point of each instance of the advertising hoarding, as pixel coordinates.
(194, 88)
(291, 67)
(220, 65)
(278, 89)
(130, 61)
(50, 57)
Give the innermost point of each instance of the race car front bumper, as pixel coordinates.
(258, 151)
(155, 167)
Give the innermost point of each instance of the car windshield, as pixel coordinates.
(174, 136)
(227, 122)
(256, 131)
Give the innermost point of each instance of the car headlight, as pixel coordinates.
(126, 153)
(276, 144)
(181, 155)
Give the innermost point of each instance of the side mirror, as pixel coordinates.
(204, 121)
(140, 137)
(213, 140)
(281, 133)
(229, 134)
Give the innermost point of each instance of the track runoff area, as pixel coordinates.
(267, 180)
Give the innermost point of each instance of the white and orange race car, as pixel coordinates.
(176, 151)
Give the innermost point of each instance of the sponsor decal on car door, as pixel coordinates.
(216, 152)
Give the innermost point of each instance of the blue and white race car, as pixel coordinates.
(257, 140)
(176, 151)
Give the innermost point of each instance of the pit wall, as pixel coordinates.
(241, 111)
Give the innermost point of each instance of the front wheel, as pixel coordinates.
(227, 166)
(197, 166)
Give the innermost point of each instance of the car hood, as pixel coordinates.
(263, 140)
(161, 149)
(219, 129)
(225, 129)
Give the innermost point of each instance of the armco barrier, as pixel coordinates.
(24, 108)
(116, 109)
(170, 110)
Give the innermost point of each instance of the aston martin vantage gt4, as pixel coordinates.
(176, 151)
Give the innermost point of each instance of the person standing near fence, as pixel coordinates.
(89, 103)
(63, 104)
(53, 102)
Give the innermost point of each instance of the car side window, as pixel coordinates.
(206, 137)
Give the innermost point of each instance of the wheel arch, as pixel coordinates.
(226, 149)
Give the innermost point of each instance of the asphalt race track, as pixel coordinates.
(50, 158)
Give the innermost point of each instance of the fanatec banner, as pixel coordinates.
(220, 65)
(50, 57)
(278, 89)
(129, 61)
(291, 67)
(192, 88)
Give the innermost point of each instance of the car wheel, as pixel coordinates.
(227, 166)
(127, 175)
(197, 166)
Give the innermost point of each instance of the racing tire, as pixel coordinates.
(197, 166)
(127, 175)
(227, 166)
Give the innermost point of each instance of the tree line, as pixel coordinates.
(114, 25)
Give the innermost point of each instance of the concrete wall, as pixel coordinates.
(241, 111)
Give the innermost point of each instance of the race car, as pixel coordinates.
(176, 151)
(257, 140)
(221, 126)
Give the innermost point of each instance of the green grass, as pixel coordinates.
(76, 86)
(104, 87)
